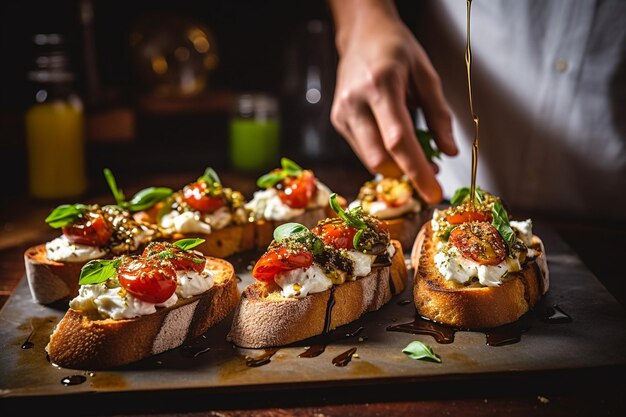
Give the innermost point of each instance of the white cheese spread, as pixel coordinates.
(62, 250)
(185, 222)
(115, 303)
(382, 210)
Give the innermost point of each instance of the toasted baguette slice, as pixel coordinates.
(221, 243)
(471, 307)
(80, 342)
(50, 281)
(264, 318)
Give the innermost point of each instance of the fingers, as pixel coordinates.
(397, 132)
(434, 105)
(352, 117)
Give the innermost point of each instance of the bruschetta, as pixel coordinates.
(475, 267)
(310, 281)
(287, 194)
(395, 201)
(205, 209)
(131, 307)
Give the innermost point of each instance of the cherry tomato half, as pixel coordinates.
(281, 259)
(336, 234)
(296, 192)
(181, 260)
(195, 194)
(150, 279)
(480, 242)
(92, 230)
(469, 216)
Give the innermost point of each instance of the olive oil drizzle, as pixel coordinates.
(468, 66)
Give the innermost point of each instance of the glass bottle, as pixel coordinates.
(54, 123)
(255, 133)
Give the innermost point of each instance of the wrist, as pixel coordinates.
(353, 17)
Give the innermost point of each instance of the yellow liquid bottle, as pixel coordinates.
(55, 141)
(55, 126)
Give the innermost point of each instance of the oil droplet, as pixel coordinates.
(73, 380)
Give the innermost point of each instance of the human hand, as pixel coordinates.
(382, 72)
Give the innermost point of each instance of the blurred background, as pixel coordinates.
(163, 86)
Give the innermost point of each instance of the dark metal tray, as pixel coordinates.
(595, 338)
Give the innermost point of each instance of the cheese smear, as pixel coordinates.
(303, 281)
(381, 210)
(266, 204)
(117, 304)
(62, 250)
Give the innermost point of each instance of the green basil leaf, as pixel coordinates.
(427, 141)
(117, 193)
(291, 168)
(65, 215)
(148, 197)
(461, 193)
(287, 229)
(210, 177)
(420, 351)
(270, 179)
(187, 244)
(501, 223)
(346, 216)
(98, 270)
(357, 238)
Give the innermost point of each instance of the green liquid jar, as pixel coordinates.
(255, 134)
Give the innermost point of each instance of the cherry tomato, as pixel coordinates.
(393, 192)
(281, 259)
(296, 192)
(469, 216)
(480, 242)
(150, 215)
(180, 259)
(196, 196)
(150, 279)
(92, 230)
(336, 234)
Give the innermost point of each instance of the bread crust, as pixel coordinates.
(50, 281)
(80, 342)
(264, 318)
(474, 307)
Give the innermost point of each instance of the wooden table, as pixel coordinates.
(602, 248)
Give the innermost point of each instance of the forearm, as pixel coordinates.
(354, 15)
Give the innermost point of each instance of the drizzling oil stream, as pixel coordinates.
(468, 66)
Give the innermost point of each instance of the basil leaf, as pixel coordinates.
(357, 238)
(426, 139)
(210, 177)
(459, 195)
(287, 229)
(270, 179)
(117, 193)
(420, 351)
(65, 215)
(98, 270)
(346, 216)
(148, 197)
(463, 192)
(290, 167)
(187, 244)
(501, 223)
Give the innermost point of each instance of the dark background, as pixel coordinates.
(262, 46)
